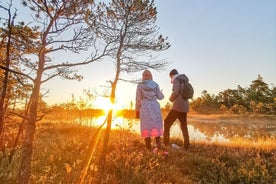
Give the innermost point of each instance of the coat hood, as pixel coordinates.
(149, 85)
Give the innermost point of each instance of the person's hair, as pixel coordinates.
(147, 75)
(173, 72)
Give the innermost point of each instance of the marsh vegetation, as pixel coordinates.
(62, 150)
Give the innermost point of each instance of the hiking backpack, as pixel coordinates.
(186, 89)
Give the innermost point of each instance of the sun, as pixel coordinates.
(105, 104)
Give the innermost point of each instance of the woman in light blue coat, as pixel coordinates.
(148, 109)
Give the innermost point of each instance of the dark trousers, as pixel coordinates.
(169, 120)
(148, 142)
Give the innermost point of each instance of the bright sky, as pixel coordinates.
(218, 44)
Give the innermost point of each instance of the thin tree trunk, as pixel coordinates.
(109, 120)
(5, 81)
(112, 100)
(19, 132)
(27, 148)
(106, 136)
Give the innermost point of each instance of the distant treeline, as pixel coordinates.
(257, 99)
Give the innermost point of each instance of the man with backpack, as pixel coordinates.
(181, 92)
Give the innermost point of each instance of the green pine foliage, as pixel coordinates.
(256, 99)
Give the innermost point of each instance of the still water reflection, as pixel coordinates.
(211, 130)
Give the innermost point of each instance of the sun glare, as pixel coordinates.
(105, 104)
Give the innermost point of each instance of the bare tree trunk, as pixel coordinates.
(109, 118)
(2, 107)
(27, 148)
(19, 132)
(112, 100)
(106, 136)
(5, 81)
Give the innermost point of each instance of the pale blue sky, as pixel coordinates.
(218, 44)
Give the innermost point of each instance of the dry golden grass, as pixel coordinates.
(62, 150)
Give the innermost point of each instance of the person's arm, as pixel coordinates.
(159, 94)
(138, 101)
(175, 90)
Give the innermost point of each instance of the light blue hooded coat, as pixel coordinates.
(147, 94)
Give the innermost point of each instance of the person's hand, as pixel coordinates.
(137, 114)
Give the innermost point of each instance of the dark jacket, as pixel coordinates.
(179, 104)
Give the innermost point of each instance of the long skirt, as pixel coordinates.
(151, 124)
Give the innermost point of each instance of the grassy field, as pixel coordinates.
(62, 153)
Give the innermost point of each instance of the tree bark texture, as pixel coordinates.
(27, 151)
